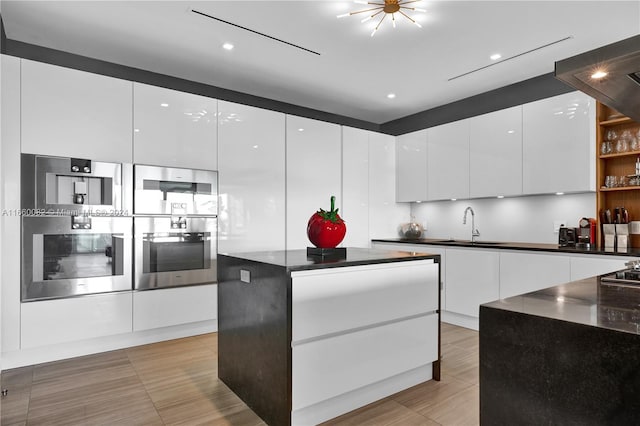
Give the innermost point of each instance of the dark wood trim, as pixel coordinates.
(533, 89)
(530, 90)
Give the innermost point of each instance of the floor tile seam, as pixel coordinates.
(145, 389)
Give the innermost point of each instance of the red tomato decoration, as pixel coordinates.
(326, 229)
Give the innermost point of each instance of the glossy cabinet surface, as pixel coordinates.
(354, 206)
(385, 216)
(313, 174)
(174, 129)
(448, 161)
(473, 278)
(66, 320)
(251, 150)
(525, 272)
(71, 113)
(173, 306)
(495, 153)
(559, 144)
(411, 171)
(590, 266)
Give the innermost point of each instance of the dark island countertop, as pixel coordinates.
(507, 245)
(588, 302)
(298, 260)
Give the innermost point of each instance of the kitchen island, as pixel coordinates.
(303, 339)
(568, 354)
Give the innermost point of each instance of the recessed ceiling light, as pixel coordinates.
(500, 196)
(599, 74)
(495, 56)
(255, 147)
(164, 105)
(391, 95)
(511, 131)
(136, 130)
(227, 46)
(301, 129)
(559, 193)
(453, 199)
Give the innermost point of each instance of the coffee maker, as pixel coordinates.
(586, 233)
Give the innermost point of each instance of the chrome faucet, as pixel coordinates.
(474, 232)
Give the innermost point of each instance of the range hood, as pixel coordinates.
(620, 87)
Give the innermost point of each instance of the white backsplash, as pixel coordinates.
(519, 219)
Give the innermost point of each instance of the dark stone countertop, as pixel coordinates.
(587, 302)
(297, 260)
(506, 245)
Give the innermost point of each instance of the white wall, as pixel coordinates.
(519, 219)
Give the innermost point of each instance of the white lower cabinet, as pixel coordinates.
(67, 320)
(174, 306)
(589, 266)
(526, 272)
(473, 278)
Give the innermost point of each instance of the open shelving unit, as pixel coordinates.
(616, 164)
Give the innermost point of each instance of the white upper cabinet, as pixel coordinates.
(354, 206)
(174, 129)
(72, 113)
(385, 215)
(495, 153)
(448, 161)
(313, 174)
(411, 171)
(251, 150)
(559, 144)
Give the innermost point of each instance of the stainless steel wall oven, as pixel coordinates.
(175, 227)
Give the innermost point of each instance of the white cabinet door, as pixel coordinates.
(385, 215)
(173, 306)
(251, 151)
(522, 273)
(411, 169)
(473, 278)
(354, 208)
(495, 153)
(559, 144)
(174, 128)
(72, 113)
(313, 174)
(67, 320)
(448, 161)
(590, 266)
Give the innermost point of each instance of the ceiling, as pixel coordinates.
(354, 72)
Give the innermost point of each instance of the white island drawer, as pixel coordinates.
(325, 368)
(330, 301)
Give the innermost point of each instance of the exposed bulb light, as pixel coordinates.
(599, 74)
(227, 46)
(387, 7)
(495, 56)
(391, 95)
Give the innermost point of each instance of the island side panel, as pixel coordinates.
(254, 335)
(536, 370)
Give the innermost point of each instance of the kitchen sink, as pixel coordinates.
(468, 242)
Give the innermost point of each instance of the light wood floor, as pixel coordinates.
(175, 383)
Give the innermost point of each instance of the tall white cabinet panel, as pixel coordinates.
(10, 193)
(559, 144)
(354, 206)
(174, 128)
(495, 153)
(411, 170)
(473, 278)
(251, 151)
(385, 215)
(448, 161)
(526, 272)
(72, 113)
(313, 173)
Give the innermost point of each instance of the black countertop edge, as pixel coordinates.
(297, 260)
(553, 248)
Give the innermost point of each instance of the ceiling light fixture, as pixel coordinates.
(599, 74)
(495, 56)
(227, 46)
(389, 7)
(391, 95)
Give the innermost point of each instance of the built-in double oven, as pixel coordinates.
(76, 227)
(94, 227)
(175, 227)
